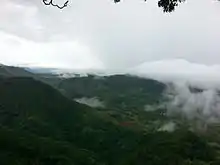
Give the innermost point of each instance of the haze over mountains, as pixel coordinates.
(182, 89)
(79, 58)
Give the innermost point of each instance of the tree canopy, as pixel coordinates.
(167, 5)
(40, 126)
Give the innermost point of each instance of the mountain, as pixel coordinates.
(127, 99)
(39, 69)
(117, 91)
(38, 125)
(12, 71)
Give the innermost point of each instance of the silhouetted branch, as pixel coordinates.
(51, 3)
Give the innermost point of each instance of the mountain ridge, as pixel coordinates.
(41, 126)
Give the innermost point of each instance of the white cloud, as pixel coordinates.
(16, 50)
(169, 127)
(200, 108)
(181, 71)
(92, 102)
(96, 34)
(121, 35)
(19, 18)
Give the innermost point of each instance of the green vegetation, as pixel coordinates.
(11, 71)
(40, 126)
(125, 97)
(118, 91)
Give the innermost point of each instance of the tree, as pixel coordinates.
(167, 5)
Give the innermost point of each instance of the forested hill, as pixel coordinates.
(116, 91)
(39, 126)
(12, 71)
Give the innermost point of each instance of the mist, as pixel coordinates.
(168, 127)
(198, 106)
(92, 102)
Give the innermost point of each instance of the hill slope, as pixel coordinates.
(11, 71)
(117, 91)
(39, 126)
(37, 119)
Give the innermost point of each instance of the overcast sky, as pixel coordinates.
(100, 34)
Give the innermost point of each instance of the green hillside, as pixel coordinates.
(117, 91)
(127, 100)
(38, 113)
(39, 126)
(12, 71)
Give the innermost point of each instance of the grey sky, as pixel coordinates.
(101, 34)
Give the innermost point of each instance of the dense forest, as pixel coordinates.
(118, 91)
(42, 125)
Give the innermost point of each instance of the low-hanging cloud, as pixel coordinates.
(180, 71)
(92, 102)
(200, 106)
(168, 127)
(193, 90)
